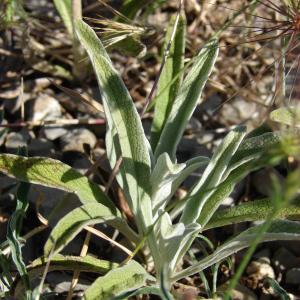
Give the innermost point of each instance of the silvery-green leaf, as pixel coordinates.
(71, 224)
(126, 127)
(286, 115)
(279, 230)
(126, 278)
(251, 211)
(252, 148)
(212, 175)
(171, 76)
(186, 100)
(55, 174)
(167, 177)
(242, 163)
(173, 241)
(64, 7)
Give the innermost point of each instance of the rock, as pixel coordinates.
(61, 282)
(77, 160)
(52, 199)
(209, 106)
(41, 147)
(46, 107)
(257, 272)
(240, 292)
(263, 256)
(14, 140)
(283, 259)
(237, 111)
(260, 270)
(75, 140)
(293, 276)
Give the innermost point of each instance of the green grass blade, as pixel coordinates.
(64, 7)
(14, 229)
(13, 234)
(278, 230)
(167, 88)
(186, 100)
(71, 224)
(249, 212)
(53, 173)
(126, 278)
(124, 119)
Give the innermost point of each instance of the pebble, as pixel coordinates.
(41, 147)
(237, 111)
(293, 276)
(14, 140)
(75, 139)
(263, 256)
(260, 270)
(283, 259)
(46, 107)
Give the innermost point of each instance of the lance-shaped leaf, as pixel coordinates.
(252, 148)
(70, 225)
(64, 7)
(55, 174)
(186, 100)
(279, 230)
(167, 176)
(60, 262)
(243, 162)
(173, 242)
(129, 133)
(126, 278)
(171, 77)
(286, 115)
(251, 211)
(212, 176)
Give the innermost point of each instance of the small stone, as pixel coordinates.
(14, 140)
(76, 139)
(261, 270)
(40, 147)
(284, 259)
(77, 160)
(240, 292)
(44, 108)
(257, 272)
(293, 276)
(263, 256)
(238, 111)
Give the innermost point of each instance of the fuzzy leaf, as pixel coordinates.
(55, 174)
(251, 211)
(212, 176)
(65, 263)
(279, 230)
(70, 225)
(171, 77)
(64, 7)
(167, 177)
(126, 278)
(286, 115)
(186, 100)
(173, 242)
(126, 126)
